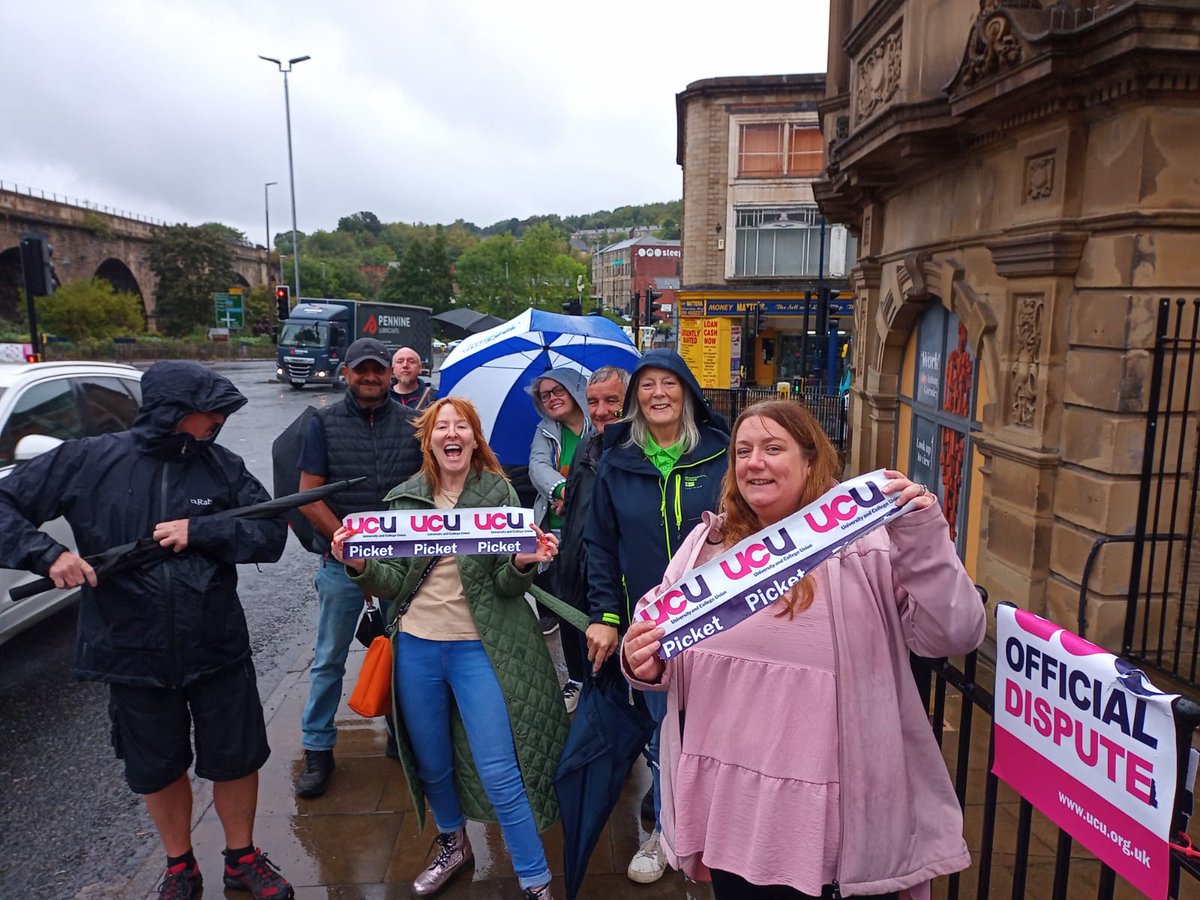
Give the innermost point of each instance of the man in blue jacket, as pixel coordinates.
(168, 637)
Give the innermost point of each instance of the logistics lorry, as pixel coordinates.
(315, 335)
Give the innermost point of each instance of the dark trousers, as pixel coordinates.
(727, 886)
(574, 645)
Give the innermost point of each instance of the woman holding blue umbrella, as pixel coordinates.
(661, 470)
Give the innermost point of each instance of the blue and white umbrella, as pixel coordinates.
(494, 369)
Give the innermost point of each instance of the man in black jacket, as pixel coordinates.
(370, 434)
(168, 637)
(605, 394)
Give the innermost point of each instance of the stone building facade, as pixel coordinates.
(1022, 178)
(756, 251)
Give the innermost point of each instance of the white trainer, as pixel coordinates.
(649, 863)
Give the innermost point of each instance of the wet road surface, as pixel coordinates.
(71, 827)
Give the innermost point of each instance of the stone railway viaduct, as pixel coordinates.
(90, 242)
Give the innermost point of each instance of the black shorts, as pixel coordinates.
(152, 729)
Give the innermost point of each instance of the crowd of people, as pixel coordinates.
(791, 756)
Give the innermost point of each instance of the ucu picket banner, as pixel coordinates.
(440, 532)
(753, 574)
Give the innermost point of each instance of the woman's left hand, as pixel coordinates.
(547, 549)
(908, 491)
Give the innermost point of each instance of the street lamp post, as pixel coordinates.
(287, 108)
(267, 210)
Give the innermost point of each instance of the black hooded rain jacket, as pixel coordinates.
(176, 621)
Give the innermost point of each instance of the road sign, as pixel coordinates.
(229, 310)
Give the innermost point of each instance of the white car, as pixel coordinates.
(42, 405)
(439, 346)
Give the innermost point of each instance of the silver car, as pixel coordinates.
(42, 405)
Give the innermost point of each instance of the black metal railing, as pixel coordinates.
(1162, 621)
(1007, 837)
(829, 409)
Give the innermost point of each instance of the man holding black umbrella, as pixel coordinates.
(169, 637)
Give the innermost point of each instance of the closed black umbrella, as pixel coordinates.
(285, 454)
(607, 734)
(147, 550)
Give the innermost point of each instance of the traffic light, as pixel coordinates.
(283, 300)
(823, 297)
(35, 263)
(651, 296)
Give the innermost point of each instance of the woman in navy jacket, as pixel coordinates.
(661, 469)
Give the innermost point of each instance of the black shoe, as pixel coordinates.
(549, 624)
(318, 766)
(258, 875)
(648, 805)
(181, 882)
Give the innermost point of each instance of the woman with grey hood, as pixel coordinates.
(560, 398)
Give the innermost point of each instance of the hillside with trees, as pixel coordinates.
(500, 269)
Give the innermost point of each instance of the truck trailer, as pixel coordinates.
(315, 335)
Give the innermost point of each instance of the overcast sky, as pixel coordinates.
(416, 111)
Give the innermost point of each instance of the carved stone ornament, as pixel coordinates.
(878, 76)
(1024, 369)
(992, 46)
(1039, 177)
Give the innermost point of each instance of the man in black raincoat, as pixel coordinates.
(170, 637)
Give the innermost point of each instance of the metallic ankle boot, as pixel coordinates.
(538, 893)
(454, 852)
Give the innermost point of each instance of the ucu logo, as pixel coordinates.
(756, 556)
(435, 522)
(844, 507)
(372, 524)
(497, 521)
(676, 600)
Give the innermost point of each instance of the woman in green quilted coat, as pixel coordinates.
(480, 722)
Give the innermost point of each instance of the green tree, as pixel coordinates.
(191, 264)
(90, 308)
(423, 276)
(330, 277)
(489, 277)
(360, 222)
(259, 309)
(225, 232)
(327, 244)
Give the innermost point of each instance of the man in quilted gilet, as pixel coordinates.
(369, 434)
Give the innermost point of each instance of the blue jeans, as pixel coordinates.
(656, 704)
(340, 602)
(428, 674)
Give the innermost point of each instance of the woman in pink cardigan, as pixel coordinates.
(797, 758)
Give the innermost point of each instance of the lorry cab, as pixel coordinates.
(312, 342)
(314, 337)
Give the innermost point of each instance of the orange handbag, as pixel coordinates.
(372, 694)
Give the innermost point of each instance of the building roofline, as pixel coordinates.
(738, 85)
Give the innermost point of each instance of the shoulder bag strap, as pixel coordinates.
(403, 606)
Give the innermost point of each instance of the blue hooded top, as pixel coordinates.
(639, 518)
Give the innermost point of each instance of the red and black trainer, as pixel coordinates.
(181, 882)
(258, 875)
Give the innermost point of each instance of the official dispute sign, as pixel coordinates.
(440, 532)
(756, 572)
(1083, 736)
